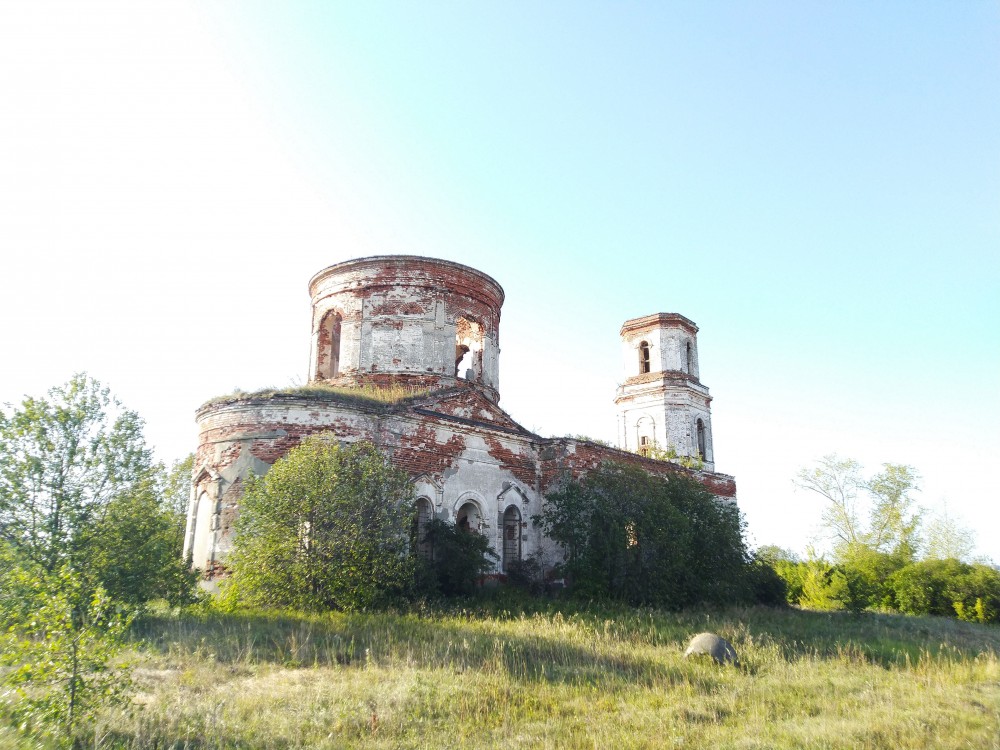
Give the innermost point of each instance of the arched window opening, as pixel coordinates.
(468, 349)
(701, 441)
(511, 537)
(469, 518)
(688, 359)
(423, 517)
(644, 445)
(328, 346)
(645, 435)
(643, 357)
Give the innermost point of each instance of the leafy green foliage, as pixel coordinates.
(456, 558)
(875, 562)
(873, 580)
(62, 461)
(767, 586)
(60, 638)
(893, 522)
(670, 453)
(946, 538)
(177, 487)
(948, 588)
(78, 489)
(629, 535)
(137, 546)
(85, 539)
(326, 528)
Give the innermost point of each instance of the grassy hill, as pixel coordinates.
(562, 677)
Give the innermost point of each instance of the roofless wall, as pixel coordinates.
(412, 320)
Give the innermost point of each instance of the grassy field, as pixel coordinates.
(587, 678)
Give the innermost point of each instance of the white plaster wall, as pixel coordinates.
(675, 414)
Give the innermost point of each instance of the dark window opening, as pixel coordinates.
(690, 370)
(511, 537)
(643, 357)
(701, 441)
(423, 517)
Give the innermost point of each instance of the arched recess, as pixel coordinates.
(702, 439)
(425, 512)
(645, 434)
(468, 348)
(511, 537)
(328, 346)
(689, 358)
(203, 532)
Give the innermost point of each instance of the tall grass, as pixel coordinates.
(558, 677)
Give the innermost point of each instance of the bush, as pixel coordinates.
(767, 585)
(647, 540)
(326, 528)
(948, 588)
(456, 559)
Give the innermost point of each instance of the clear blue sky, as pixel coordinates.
(817, 186)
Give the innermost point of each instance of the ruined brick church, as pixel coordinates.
(433, 327)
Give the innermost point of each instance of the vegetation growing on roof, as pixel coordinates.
(367, 394)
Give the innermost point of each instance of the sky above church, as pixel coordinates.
(817, 186)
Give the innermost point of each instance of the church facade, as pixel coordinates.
(430, 330)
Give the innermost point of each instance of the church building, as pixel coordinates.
(430, 330)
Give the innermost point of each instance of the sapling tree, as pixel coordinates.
(59, 641)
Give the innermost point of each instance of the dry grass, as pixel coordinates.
(368, 394)
(577, 678)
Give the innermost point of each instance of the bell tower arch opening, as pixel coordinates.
(643, 357)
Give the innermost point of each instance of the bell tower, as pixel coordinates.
(662, 402)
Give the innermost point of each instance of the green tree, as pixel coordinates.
(177, 487)
(137, 548)
(893, 522)
(838, 481)
(84, 539)
(648, 540)
(326, 528)
(62, 461)
(79, 490)
(824, 586)
(946, 538)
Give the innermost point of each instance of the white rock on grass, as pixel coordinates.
(710, 644)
